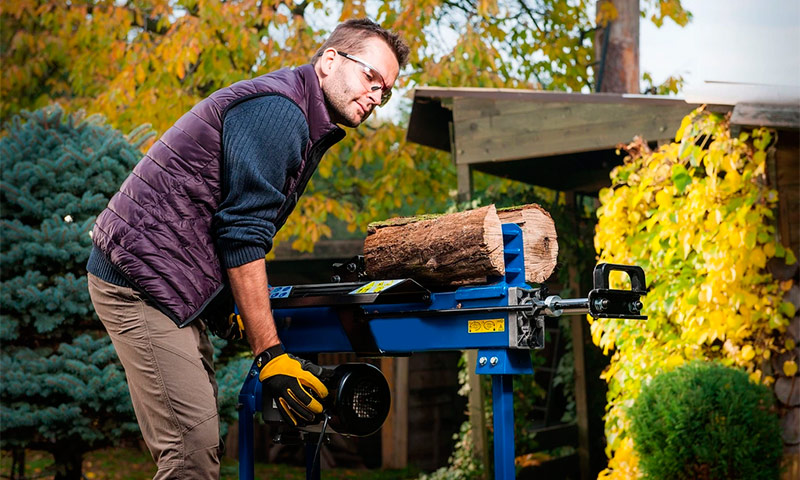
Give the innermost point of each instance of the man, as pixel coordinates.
(195, 219)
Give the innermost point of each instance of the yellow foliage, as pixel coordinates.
(790, 368)
(695, 215)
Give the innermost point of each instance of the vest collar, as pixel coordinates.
(319, 119)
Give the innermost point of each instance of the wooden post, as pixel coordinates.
(464, 179)
(617, 48)
(394, 434)
(477, 415)
(581, 404)
(463, 171)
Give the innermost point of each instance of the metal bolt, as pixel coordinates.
(635, 307)
(493, 361)
(482, 361)
(601, 304)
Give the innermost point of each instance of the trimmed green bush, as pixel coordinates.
(706, 421)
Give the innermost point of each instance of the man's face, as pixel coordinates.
(358, 81)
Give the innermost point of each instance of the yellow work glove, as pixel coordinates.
(235, 330)
(295, 385)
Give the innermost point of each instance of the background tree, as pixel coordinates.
(61, 386)
(151, 60)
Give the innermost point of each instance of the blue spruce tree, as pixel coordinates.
(61, 386)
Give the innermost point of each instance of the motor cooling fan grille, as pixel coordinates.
(365, 401)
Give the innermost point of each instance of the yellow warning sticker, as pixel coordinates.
(375, 287)
(486, 326)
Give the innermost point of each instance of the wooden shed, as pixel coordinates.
(568, 141)
(562, 141)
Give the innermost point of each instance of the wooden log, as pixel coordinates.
(787, 390)
(453, 248)
(539, 238)
(790, 426)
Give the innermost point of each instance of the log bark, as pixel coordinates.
(539, 238)
(462, 247)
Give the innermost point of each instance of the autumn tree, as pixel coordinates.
(150, 61)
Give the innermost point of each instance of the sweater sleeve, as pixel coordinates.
(263, 139)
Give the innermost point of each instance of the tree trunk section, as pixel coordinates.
(464, 247)
(617, 56)
(68, 464)
(539, 238)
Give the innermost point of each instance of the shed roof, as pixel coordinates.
(564, 141)
(568, 141)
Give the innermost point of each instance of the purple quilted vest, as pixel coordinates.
(156, 230)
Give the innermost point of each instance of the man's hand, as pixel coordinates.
(294, 383)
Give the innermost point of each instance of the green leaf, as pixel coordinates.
(750, 239)
(680, 177)
(790, 258)
(787, 308)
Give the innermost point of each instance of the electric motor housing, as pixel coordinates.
(358, 401)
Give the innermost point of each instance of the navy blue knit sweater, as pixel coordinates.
(263, 138)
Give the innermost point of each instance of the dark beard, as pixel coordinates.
(335, 111)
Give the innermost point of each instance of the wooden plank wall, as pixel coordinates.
(787, 158)
(498, 130)
(435, 410)
(427, 383)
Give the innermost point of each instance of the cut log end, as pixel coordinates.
(539, 237)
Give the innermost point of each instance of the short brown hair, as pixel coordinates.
(349, 37)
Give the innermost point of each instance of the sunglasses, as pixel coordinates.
(373, 76)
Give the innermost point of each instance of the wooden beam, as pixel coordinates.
(492, 131)
(394, 434)
(581, 402)
(766, 115)
(786, 161)
(464, 182)
(463, 172)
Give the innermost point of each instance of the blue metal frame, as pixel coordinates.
(318, 330)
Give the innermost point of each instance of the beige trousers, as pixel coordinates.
(171, 380)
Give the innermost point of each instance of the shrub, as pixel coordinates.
(707, 421)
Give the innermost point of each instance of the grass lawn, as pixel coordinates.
(133, 464)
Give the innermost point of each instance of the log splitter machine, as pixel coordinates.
(503, 319)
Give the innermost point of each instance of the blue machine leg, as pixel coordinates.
(311, 472)
(246, 457)
(503, 407)
(249, 397)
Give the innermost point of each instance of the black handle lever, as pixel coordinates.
(605, 302)
(636, 274)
